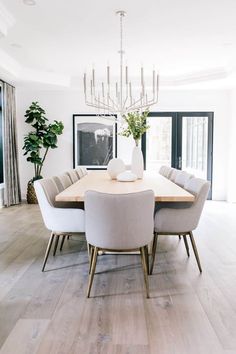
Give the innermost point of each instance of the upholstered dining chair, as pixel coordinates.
(81, 171)
(174, 173)
(73, 176)
(62, 181)
(165, 170)
(182, 178)
(119, 222)
(60, 221)
(182, 220)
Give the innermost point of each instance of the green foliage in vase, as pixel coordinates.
(41, 139)
(135, 125)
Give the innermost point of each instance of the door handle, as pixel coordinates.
(180, 162)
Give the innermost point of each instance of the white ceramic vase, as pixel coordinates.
(137, 162)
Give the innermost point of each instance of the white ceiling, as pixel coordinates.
(189, 42)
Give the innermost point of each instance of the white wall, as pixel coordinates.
(61, 105)
(231, 191)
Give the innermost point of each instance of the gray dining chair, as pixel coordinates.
(119, 223)
(165, 171)
(62, 181)
(182, 220)
(60, 221)
(73, 176)
(182, 178)
(81, 171)
(173, 174)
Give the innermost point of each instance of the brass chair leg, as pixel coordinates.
(55, 245)
(154, 248)
(145, 272)
(91, 257)
(62, 241)
(195, 251)
(146, 258)
(48, 250)
(186, 245)
(88, 249)
(93, 267)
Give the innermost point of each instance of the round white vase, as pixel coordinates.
(114, 167)
(137, 162)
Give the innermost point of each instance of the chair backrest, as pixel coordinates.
(119, 221)
(200, 189)
(64, 180)
(173, 174)
(84, 170)
(168, 172)
(56, 218)
(182, 178)
(73, 176)
(165, 171)
(46, 191)
(81, 171)
(58, 183)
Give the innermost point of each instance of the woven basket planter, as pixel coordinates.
(31, 195)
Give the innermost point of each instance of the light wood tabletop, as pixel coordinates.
(100, 181)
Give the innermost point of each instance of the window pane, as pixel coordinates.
(158, 150)
(194, 145)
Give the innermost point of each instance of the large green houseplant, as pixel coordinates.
(38, 142)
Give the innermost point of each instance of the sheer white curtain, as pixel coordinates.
(12, 193)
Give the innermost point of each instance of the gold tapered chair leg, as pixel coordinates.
(154, 248)
(145, 273)
(62, 241)
(195, 251)
(93, 267)
(186, 245)
(91, 257)
(89, 250)
(55, 245)
(48, 250)
(146, 258)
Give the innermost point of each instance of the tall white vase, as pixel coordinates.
(137, 162)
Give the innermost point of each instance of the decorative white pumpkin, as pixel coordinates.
(114, 167)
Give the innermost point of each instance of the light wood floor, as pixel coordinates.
(48, 312)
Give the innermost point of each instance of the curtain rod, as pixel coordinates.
(5, 82)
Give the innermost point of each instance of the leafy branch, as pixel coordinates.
(135, 125)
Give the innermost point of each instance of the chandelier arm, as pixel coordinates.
(91, 104)
(114, 104)
(123, 107)
(103, 104)
(134, 103)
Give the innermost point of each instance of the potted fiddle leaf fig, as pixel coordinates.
(38, 142)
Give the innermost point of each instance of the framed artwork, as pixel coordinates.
(94, 140)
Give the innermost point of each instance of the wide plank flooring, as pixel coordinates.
(48, 313)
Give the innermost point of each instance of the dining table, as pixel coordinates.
(100, 181)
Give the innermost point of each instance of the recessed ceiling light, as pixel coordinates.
(29, 2)
(16, 45)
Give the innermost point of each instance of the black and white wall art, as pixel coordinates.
(94, 140)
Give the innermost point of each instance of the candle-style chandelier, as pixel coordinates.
(121, 97)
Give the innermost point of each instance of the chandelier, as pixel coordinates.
(120, 97)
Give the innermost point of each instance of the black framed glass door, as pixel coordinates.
(183, 140)
(1, 139)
